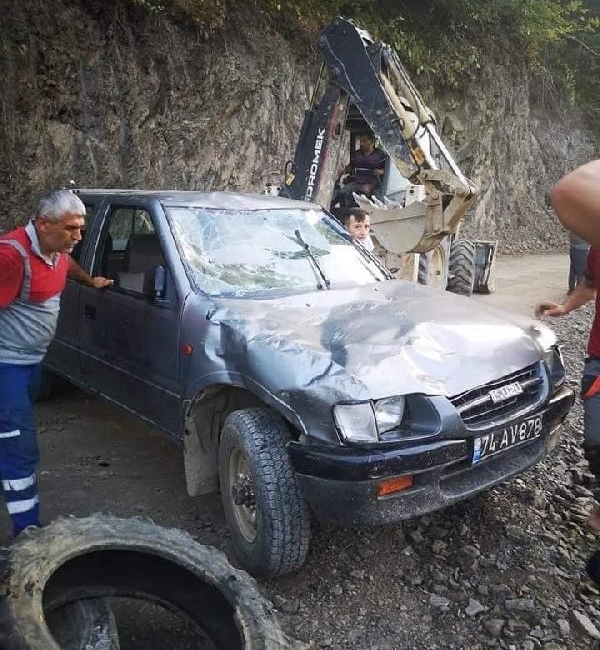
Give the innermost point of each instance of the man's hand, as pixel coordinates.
(79, 275)
(101, 283)
(379, 172)
(584, 292)
(549, 308)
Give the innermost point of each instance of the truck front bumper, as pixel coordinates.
(341, 484)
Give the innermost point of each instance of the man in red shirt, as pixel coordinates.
(585, 291)
(34, 266)
(576, 200)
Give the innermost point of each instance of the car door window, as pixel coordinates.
(130, 250)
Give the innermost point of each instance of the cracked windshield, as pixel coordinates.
(236, 252)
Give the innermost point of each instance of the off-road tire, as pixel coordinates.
(101, 556)
(437, 256)
(282, 516)
(84, 624)
(461, 267)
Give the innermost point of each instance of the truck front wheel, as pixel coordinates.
(266, 513)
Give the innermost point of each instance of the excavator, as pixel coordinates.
(416, 211)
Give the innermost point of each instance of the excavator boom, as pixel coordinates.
(364, 86)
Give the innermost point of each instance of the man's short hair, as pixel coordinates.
(57, 203)
(358, 213)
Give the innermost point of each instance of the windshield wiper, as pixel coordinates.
(313, 259)
(369, 257)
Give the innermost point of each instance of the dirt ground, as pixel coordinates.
(97, 458)
(522, 281)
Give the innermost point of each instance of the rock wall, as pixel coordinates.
(107, 95)
(515, 138)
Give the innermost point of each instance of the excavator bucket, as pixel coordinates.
(431, 212)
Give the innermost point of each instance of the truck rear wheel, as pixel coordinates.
(264, 508)
(461, 267)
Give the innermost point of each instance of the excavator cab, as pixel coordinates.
(363, 87)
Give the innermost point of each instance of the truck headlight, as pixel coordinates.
(356, 422)
(556, 366)
(389, 413)
(544, 337)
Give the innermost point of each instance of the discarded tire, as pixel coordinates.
(461, 267)
(102, 556)
(84, 625)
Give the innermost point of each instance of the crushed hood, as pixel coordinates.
(383, 339)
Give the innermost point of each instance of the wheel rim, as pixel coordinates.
(243, 497)
(436, 268)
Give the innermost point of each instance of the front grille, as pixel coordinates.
(476, 407)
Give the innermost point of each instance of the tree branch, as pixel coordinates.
(587, 47)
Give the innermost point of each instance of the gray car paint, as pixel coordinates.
(304, 353)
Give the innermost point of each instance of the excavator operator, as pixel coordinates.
(365, 170)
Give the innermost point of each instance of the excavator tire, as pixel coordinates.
(433, 268)
(461, 267)
(101, 556)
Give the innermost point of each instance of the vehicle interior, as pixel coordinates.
(131, 250)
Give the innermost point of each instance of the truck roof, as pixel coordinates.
(218, 200)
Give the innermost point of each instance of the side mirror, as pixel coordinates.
(156, 288)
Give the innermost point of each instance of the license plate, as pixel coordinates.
(503, 439)
(504, 393)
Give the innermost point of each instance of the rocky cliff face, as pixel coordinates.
(107, 95)
(515, 138)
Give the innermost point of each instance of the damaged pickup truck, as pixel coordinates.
(302, 381)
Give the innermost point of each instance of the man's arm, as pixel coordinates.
(584, 292)
(79, 275)
(576, 200)
(11, 275)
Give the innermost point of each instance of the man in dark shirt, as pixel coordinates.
(585, 291)
(366, 169)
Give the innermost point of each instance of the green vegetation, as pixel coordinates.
(448, 40)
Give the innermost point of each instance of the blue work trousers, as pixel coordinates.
(18, 443)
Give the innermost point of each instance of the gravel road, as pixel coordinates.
(503, 570)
